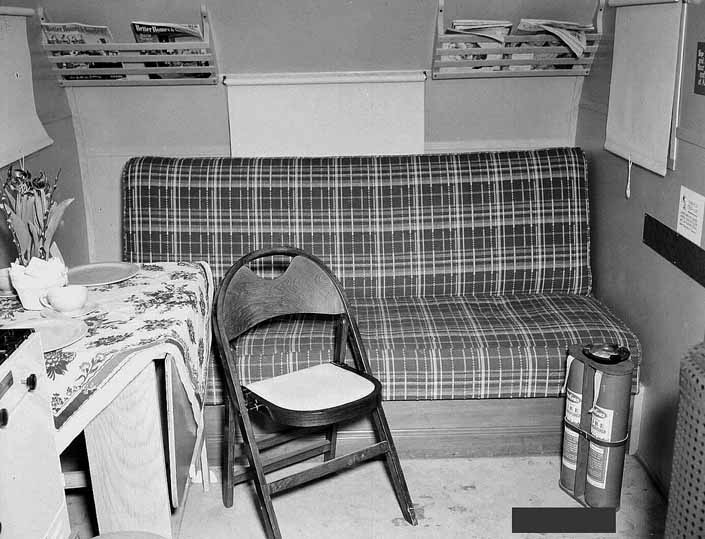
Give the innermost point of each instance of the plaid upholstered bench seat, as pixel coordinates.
(469, 273)
(447, 347)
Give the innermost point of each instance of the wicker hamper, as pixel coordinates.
(686, 496)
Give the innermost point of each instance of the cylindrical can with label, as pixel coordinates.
(610, 424)
(573, 410)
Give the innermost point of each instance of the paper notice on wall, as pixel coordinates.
(691, 208)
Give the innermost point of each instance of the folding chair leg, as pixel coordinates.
(265, 500)
(229, 455)
(203, 464)
(394, 466)
(332, 437)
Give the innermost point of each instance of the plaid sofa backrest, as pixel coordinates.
(414, 225)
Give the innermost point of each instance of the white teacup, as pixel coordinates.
(65, 298)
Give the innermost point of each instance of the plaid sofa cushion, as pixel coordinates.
(469, 272)
(445, 347)
(485, 223)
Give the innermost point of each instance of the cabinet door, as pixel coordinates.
(32, 501)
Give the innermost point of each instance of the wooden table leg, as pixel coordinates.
(125, 447)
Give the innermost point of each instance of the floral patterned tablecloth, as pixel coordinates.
(164, 309)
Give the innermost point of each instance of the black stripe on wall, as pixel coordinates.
(679, 251)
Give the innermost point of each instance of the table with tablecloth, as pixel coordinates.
(161, 312)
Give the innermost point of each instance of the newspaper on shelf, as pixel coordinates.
(73, 33)
(164, 32)
(572, 34)
(495, 31)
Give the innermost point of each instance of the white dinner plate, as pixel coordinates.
(55, 333)
(101, 273)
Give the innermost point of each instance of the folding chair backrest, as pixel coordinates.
(304, 288)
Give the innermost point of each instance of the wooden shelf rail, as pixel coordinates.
(136, 64)
(465, 56)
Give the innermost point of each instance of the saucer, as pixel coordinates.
(53, 313)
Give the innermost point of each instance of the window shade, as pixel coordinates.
(642, 88)
(331, 113)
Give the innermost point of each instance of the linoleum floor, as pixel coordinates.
(454, 498)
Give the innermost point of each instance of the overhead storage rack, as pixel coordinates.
(540, 54)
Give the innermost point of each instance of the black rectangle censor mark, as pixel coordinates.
(564, 520)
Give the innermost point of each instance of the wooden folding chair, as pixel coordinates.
(321, 396)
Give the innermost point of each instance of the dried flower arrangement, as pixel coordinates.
(31, 212)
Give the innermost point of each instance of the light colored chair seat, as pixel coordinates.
(334, 386)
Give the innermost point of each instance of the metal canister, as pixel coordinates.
(609, 428)
(571, 426)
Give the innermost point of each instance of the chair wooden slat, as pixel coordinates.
(327, 468)
(302, 288)
(278, 462)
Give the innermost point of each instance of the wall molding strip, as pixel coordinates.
(326, 77)
(459, 146)
(17, 11)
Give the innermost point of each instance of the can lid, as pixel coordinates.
(606, 353)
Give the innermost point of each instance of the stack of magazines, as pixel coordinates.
(144, 32)
(76, 33)
(160, 32)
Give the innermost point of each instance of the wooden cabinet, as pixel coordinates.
(32, 502)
